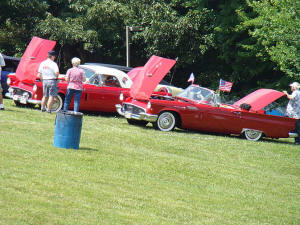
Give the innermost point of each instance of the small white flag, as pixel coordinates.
(192, 78)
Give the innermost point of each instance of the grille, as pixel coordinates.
(18, 91)
(133, 109)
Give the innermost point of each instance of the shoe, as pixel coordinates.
(43, 110)
(48, 111)
(2, 108)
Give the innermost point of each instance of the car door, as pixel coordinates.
(224, 119)
(102, 94)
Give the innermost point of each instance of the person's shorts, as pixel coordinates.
(50, 88)
(0, 87)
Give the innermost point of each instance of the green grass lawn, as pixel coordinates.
(124, 174)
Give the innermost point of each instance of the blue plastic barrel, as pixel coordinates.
(67, 129)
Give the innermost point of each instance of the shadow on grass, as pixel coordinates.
(103, 114)
(183, 131)
(87, 149)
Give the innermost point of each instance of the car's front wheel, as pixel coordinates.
(58, 103)
(253, 135)
(166, 121)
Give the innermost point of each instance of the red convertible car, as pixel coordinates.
(100, 92)
(198, 108)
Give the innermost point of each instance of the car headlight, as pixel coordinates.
(34, 88)
(149, 105)
(8, 81)
(121, 97)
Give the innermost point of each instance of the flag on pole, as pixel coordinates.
(225, 85)
(192, 78)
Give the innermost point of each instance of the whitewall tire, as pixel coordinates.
(166, 121)
(252, 135)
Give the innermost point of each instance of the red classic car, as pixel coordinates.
(198, 108)
(100, 92)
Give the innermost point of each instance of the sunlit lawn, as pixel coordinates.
(124, 174)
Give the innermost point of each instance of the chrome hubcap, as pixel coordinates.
(166, 121)
(253, 135)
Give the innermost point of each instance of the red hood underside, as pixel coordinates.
(35, 53)
(260, 98)
(146, 78)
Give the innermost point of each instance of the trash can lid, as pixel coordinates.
(71, 113)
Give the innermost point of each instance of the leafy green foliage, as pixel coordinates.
(275, 27)
(251, 43)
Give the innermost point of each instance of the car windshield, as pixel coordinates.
(88, 73)
(199, 94)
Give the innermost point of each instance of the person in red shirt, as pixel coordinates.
(75, 77)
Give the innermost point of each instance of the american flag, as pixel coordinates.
(225, 85)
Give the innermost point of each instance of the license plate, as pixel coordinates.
(23, 100)
(127, 115)
(15, 97)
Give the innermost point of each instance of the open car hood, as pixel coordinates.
(260, 98)
(146, 78)
(35, 53)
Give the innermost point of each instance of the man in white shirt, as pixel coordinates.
(293, 107)
(2, 63)
(48, 72)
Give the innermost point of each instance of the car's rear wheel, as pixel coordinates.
(137, 122)
(253, 135)
(58, 103)
(166, 121)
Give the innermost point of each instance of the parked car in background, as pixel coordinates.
(11, 64)
(100, 92)
(199, 108)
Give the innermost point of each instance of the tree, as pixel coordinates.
(275, 27)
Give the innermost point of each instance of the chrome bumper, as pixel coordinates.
(7, 95)
(293, 135)
(142, 116)
(22, 100)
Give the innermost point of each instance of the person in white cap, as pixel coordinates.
(48, 72)
(2, 63)
(293, 107)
